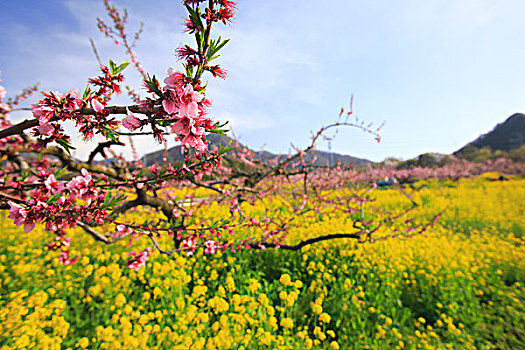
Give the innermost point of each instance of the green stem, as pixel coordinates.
(202, 52)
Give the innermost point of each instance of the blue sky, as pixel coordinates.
(439, 73)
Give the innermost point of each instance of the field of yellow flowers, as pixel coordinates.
(459, 285)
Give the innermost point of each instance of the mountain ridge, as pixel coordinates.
(323, 158)
(505, 136)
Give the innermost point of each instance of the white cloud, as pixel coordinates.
(254, 121)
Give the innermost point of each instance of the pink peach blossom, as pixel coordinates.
(189, 102)
(140, 259)
(183, 126)
(46, 129)
(19, 214)
(52, 185)
(194, 141)
(42, 113)
(170, 106)
(131, 122)
(65, 259)
(211, 247)
(174, 81)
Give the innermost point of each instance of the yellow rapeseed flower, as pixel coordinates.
(230, 283)
(286, 280)
(287, 322)
(120, 300)
(253, 285)
(334, 345)
(324, 317)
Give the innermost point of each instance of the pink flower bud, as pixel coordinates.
(97, 106)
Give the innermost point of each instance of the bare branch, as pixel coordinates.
(76, 165)
(100, 149)
(11, 198)
(144, 199)
(95, 51)
(302, 244)
(94, 233)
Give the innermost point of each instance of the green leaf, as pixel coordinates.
(215, 46)
(106, 200)
(219, 129)
(190, 10)
(61, 172)
(224, 149)
(111, 201)
(154, 85)
(112, 67)
(189, 71)
(66, 146)
(53, 198)
(25, 175)
(87, 93)
(109, 133)
(203, 88)
(121, 67)
(212, 58)
(199, 38)
(221, 45)
(195, 16)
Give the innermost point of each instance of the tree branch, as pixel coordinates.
(144, 199)
(31, 123)
(94, 233)
(100, 149)
(302, 244)
(76, 165)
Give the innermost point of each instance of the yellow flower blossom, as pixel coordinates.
(286, 323)
(324, 317)
(83, 343)
(285, 280)
(334, 345)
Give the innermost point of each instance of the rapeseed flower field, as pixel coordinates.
(457, 285)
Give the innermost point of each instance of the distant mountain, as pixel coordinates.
(331, 159)
(322, 158)
(425, 160)
(175, 153)
(506, 136)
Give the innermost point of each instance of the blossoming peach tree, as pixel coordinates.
(41, 183)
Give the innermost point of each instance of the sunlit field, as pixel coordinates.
(457, 285)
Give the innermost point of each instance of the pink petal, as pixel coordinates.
(46, 129)
(29, 226)
(169, 106)
(97, 106)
